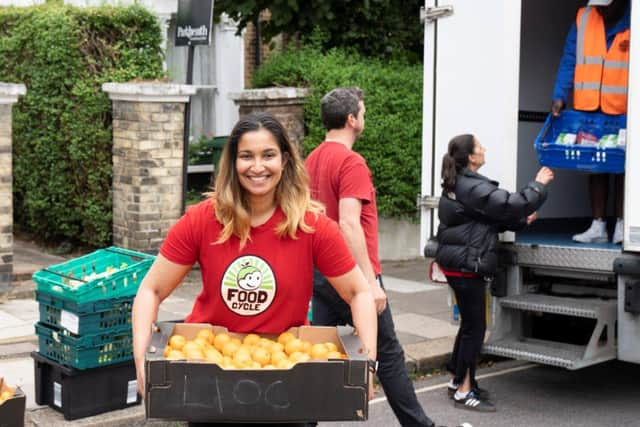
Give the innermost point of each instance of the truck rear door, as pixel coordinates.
(471, 66)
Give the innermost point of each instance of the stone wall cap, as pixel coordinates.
(270, 93)
(149, 91)
(9, 92)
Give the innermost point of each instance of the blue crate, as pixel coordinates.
(581, 157)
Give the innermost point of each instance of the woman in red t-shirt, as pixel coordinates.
(256, 237)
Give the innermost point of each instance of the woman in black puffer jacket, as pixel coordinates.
(472, 211)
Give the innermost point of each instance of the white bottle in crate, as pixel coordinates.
(622, 138)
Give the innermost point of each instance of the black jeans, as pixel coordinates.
(470, 293)
(330, 310)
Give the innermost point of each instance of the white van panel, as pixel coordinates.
(477, 52)
(632, 165)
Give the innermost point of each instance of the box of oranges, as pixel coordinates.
(204, 373)
(12, 405)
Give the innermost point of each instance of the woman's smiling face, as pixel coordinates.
(259, 163)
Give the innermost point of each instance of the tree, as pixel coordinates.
(381, 28)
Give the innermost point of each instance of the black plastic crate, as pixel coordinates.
(82, 393)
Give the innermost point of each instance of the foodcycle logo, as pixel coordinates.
(248, 286)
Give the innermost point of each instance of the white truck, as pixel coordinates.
(489, 70)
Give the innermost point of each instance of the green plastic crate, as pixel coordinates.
(75, 279)
(95, 317)
(84, 352)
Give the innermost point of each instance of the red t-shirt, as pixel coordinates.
(266, 286)
(336, 173)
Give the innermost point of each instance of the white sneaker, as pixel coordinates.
(597, 233)
(617, 237)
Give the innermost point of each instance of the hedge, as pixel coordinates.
(62, 137)
(391, 142)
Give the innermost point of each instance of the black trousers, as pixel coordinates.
(330, 310)
(470, 293)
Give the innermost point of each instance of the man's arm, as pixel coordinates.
(566, 70)
(351, 228)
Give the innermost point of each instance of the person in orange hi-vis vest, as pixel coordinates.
(595, 69)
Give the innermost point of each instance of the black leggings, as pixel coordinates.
(470, 293)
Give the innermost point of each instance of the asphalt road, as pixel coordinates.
(529, 395)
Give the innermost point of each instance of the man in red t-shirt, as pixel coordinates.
(341, 179)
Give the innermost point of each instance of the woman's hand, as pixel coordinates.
(544, 176)
(532, 218)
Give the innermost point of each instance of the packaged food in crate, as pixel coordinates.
(94, 317)
(585, 141)
(106, 273)
(84, 352)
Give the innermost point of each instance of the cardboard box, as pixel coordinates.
(198, 391)
(12, 409)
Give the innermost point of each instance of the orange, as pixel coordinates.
(237, 341)
(220, 340)
(166, 351)
(213, 355)
(276, 347)
(306, 347)
(285, 337)
(251, 339)
(230, 348)
(299, 356)
(176, 342)
(285, 364)
(265, 343)
(319, 351)
(242, 360)
(202, 342)
(293, 345)
(195, 354)
(277, 356)
(245, 349)
(207, 334)
(269, 366)
(191, 346)
(262, 356)
(331, 346)
(227, 362)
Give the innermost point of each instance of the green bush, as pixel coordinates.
(62, 137)
(391, 142)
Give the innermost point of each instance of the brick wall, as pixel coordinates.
(9, 94)
(147, 164)
(6, 204)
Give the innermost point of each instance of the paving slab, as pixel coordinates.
(406, 286)
(424, 326)
(20, 372)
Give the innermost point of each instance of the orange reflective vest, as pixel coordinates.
(601, 76)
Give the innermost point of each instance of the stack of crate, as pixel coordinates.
(85, 320)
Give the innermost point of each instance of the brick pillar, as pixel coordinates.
(285, 103)
(9, 94)
(148, 136)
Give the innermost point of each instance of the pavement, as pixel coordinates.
(420, 310)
